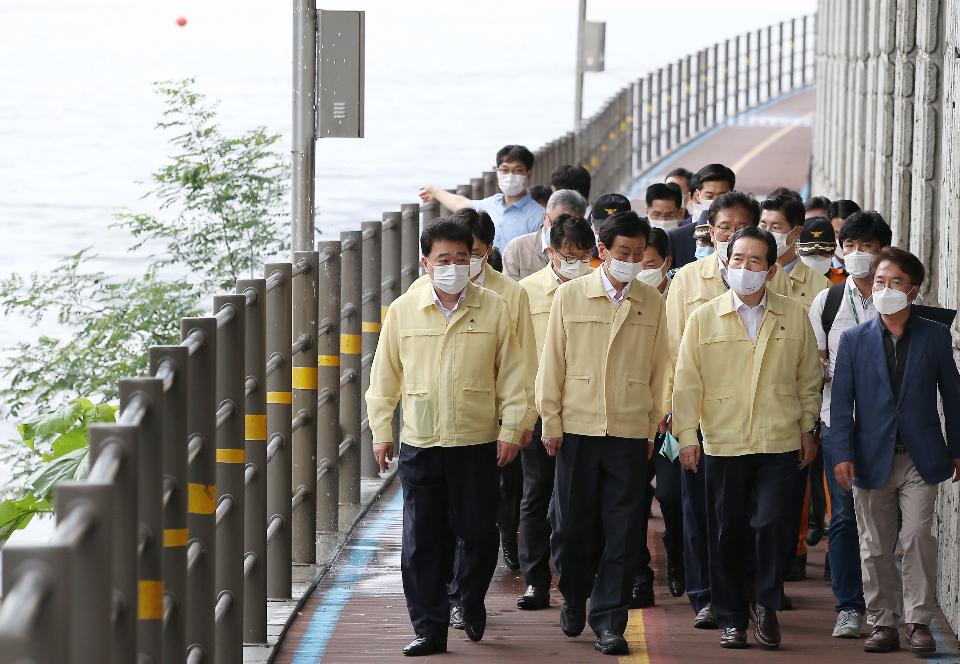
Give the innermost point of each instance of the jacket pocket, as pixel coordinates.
(419, 413)
(721, 410)
(580, 398)
(476, 409)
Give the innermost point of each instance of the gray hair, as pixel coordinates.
(569, 199)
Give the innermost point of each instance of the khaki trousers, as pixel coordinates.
(886, 595)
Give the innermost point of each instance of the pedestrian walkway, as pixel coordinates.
(358, 614)
(766, 147)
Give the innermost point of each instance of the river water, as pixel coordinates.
(447, 83)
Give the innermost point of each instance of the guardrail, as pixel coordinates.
(251, 433)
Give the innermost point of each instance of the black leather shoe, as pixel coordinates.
(474, 624)
(814, 534)
(426, 645)
(705, 619)
(797, 571)
(676, 579)
(572, 620)
(511, 558)
(610, 643)
(642, 596)
(456, 617)
(733, 637)
(767, 629)
(534, 598)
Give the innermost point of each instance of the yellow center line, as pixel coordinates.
(636, 639)
(763, 145)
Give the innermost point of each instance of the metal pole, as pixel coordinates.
(170, 363)
(350, 347)
(304, 121)
(409, 245)
(726, 79)
(578, 97)
(793, 50)
(736, 76)
(371, 280)
(231, 458)
(149, 393)
(659, 116)
(120, 439)
(649, 109)
(328, 383)
(279, 400)
(770, 60)
(757, 78)
(304, 298)
(714, 85)
(255, 468)
(670, 103)
(88, 576)
(202, 485)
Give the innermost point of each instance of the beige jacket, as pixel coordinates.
(524, 255)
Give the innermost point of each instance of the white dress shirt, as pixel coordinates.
(456, 305)
(611, 291)
(751, 317)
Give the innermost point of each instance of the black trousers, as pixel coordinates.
(538, 471)
(696, 553)
(669, 496)
(597, 490)
(818, 498)
(449, 494)
(750, 520)
(511, 493)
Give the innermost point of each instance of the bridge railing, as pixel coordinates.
(250, 436)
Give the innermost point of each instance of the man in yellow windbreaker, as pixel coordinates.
(511, 476)
(571, 242)
(449, 353)
(750, 376)
(695, 284)
(600, 394)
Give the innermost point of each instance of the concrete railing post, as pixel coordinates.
(371, 285)
(350, 347)
(328, 386)
(255, 467)
(279, 400)
(409, 245)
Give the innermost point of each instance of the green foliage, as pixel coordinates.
(57, 444)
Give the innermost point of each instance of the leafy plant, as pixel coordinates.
(57, 444)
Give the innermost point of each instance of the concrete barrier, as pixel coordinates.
(885, 135)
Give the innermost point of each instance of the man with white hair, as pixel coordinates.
(526, 254)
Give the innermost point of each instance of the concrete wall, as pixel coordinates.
(886, 135)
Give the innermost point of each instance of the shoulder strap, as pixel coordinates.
(832, 306)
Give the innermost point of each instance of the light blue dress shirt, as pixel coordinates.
(524, 216)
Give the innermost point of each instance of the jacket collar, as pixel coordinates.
(774, 304)
(470, 299)
(594, 287)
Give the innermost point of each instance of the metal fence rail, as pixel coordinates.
(249, 436)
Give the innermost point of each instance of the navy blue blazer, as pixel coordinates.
(683, 246)
(861, 385)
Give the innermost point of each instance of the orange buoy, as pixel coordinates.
(181, 21)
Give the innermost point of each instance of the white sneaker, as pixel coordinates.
(848, 625)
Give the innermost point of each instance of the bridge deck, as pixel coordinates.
(358, 613)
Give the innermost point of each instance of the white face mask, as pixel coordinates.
(652, 277)
(706, 205)
(666, 225)
(819, 264)
(744, 281)
(722, 250)
(782, 246)
(839, 251)
(623, 271)
(889, 301)
(572, 270)
(476, 266)
(512, 185)
(858, 263)
(451, 279)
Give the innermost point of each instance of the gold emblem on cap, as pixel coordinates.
(816, 233)
(610, 210)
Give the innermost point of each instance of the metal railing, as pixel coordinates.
(250, 435)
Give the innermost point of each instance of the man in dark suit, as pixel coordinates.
(709, 182)
(894, 454)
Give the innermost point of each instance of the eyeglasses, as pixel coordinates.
(572, 260)
(895, 283)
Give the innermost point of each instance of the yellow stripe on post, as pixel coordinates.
(328, 360)
(255, 427)
(304, 378)
(350, 344)
(370, 327)
(280, 397)
(201, 498)
(174, 537)
(150, 600)
(231, 456)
